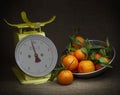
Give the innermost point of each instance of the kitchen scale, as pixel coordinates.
(35, 54)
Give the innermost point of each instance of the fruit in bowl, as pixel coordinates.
(87, 58)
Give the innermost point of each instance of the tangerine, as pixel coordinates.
(86, 66)
(79, 54)
(70, 62)
(107, 60)
(98, 66)
(72, 53)
(81, 40)
(65, 77)
(97, 56)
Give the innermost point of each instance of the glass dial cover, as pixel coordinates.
(36, 55)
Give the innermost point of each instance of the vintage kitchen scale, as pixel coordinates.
(35, 54)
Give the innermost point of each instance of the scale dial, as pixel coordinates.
(36, 55)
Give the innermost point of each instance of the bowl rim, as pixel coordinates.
(113, 57)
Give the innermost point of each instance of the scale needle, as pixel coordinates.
(37, 59)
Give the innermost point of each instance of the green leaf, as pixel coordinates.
(103, 52)
(107, 42)
(73, 49)
(87, 44)
(108, 50)
(103, 62)
(70, 48)
(83, 49)
(92, 55)
(106, 65)
(97, 47)
(74, 40)
(55, 72)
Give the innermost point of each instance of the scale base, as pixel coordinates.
(25, 79)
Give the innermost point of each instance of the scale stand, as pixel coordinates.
(34, 28)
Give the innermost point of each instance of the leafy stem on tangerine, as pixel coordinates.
(56, 71)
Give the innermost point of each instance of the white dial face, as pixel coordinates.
(36, 55)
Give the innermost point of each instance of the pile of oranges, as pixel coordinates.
(81, 56)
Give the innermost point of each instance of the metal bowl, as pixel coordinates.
(99, 71)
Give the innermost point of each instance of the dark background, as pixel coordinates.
(96, 19)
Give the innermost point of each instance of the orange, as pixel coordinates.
(98, 66)
(65, 77)
(86, 66)
(72, 53)
(79, 54)
(76, 45)
(107, 59)
(97, 56)
(82, 41)
(70, 62)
